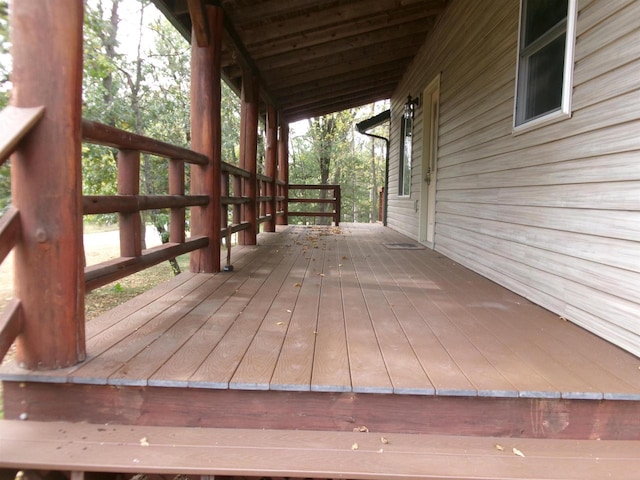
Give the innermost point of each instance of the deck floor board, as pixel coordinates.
(327, 309)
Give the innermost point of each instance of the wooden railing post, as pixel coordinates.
(271, 167)
(337, 205)
(47, 184)
(248, 154)
(178, 215)
(206, 139)
(129, 184)
(283, 170)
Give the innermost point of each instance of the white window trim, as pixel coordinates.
(401, 193)
(567, 84)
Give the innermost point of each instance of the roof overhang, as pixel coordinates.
(314, 57)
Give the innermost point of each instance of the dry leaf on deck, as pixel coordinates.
(144, 442)
(499, 447)
(384, 440)
(280, 323)
(361, 429)
(517, 452)
(297, 284)
(355, 446)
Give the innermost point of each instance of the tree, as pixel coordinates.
(5, 86)
(330, 152)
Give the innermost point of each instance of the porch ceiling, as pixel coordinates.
(318, 56)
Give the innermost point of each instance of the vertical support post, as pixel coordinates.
(206, 139)
(283, 170)
(177, 218)
(248, 155)
(129, 184)
(337, 201)
(47, 182)
(271, 167)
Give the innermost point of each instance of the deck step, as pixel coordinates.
(85, 447)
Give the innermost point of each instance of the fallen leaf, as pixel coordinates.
(499, 447)
(297, 284)
(280, 323)
(380, 451)
(362, 429)
(355, 446)
(288, 311)
(517, 452)
(321, 274)
(384, 440)
(144, 442)
(339, 264)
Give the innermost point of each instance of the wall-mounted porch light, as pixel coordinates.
(410, 107)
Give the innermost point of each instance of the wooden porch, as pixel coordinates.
(336, 328)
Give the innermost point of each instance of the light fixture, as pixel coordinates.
(411, 106)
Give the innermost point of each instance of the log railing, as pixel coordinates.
(333, 200)
(129, 203)
(233, 180)
(15, 124)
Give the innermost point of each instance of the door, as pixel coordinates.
(430, 120)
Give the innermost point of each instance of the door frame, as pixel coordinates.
(430, 126)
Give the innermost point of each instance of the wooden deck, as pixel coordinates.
(326, 327)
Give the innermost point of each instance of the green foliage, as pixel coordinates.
(5, 86)
(329, 151)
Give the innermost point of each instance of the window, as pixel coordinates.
(406, 149)
(545, 62)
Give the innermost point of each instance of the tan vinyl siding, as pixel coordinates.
(552, 213)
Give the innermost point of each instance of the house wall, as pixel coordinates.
(553, 213)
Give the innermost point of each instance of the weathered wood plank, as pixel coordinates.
(405, 370)
(218, 368)
(331, 358)
(368, 370)
(259, 362)
(295, 453)
(221, 310)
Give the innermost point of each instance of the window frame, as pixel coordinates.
(520, 124)
(406, 157)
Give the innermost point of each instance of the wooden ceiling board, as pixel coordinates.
(317, 56)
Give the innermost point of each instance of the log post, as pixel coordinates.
(129, 184)
(283, 170)
(248, 154)
(271, 167)
(206, 139)
(47, 182)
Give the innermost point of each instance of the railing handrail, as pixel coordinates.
(15, 123)
(101, 134)
(336, 201)
(129, 203)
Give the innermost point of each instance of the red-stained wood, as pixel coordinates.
(416, 414)
(106, 135)
(129, 184)
(379, 455)
(249, 109)
(199, 22)
(177, 222)
(10, 325)
(46, 182)
(206, 138)
(9, 231)
(112, 270)
(135, 203)
(283, 170)
(15, 123)
(271, 168)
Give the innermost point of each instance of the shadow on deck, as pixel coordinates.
(326, 328)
